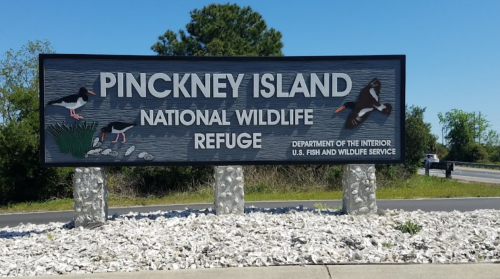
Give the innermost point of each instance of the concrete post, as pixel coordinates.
(229, 194)
(359, 185)
(427, 167)
(90, 197)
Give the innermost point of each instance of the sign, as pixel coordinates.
(99, 110)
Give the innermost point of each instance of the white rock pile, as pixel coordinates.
(260, 237)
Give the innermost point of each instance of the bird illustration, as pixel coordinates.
(73, 102)
(367, 101)
(117, 128)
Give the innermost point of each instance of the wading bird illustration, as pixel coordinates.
(73, 102)
(368, 100)
(117, 128)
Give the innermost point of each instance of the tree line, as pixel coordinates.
(468, 138)
(214, 30)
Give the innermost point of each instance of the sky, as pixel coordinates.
(452, 47)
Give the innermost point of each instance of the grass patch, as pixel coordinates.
(435, 187)
(75, 139)
(409, 227)
(49, 236)
(321, 206)
(412, 188)
(387, 245)
(51, 205)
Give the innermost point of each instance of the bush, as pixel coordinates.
(334, 177)
(146, 181)
(495, 155)
(269, 179)
(22, 179)
(409, 227)
(390, 173)
(475, 152)
(442, 151)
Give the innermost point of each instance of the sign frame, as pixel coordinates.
(402, 98)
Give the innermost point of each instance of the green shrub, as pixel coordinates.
(21, 177)
(389, 176)
(146, 181)
(409, 227)
(258, 188)
(387, 245)
(321, 206)
(334, 177)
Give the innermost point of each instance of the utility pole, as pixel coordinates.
(474, 125)
(442, 136)
(479, 121)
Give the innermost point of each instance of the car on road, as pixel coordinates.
(429, 157)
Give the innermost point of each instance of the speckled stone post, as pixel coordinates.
(359, 184)
(90, 197)
(229, 194)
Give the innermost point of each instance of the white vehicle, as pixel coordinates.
(432, 158)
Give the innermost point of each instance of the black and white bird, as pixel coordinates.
(117, 128)
(368, 100)
(73, 102)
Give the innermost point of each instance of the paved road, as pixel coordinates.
(470, 174)
(461, 204)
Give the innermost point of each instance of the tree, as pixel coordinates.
(21, 177)
(492, 146)
(474, 152)
(463, 128)
(418, 137)
(418, 141)
(494, 154)
(442, 151)
(19, 82)
(215, 30)
(222, 30)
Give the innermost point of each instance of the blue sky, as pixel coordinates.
(452, 46)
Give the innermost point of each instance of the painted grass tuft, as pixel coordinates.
(75, 139)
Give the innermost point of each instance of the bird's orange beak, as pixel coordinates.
(102, 137)
(339, 109)
(90, 92)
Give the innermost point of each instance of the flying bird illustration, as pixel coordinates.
(73, 102)
(368, 100)
(117, 128)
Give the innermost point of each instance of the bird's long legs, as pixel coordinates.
(117, 136)
(73, 114)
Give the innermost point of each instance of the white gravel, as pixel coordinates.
(281, 236)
